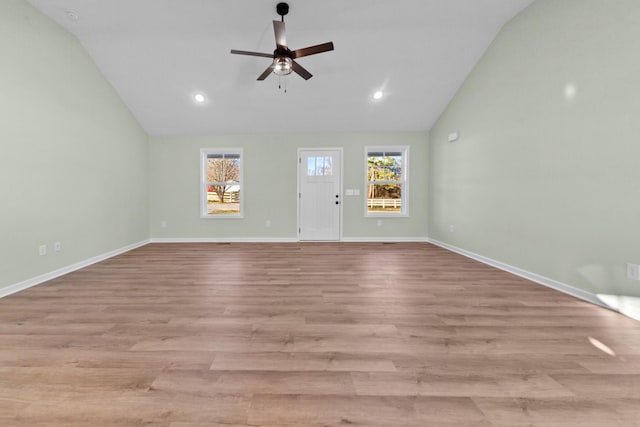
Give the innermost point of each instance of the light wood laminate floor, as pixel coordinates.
(311, 334)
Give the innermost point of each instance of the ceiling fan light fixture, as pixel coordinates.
(283, 66)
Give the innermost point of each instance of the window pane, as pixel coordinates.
(223, 170)
(328, 166)
(394, 166)
(311, 166)
(385, 168)
(319, 166)
(230, 196)
(222, 188)
(386, 183)
(384, 198)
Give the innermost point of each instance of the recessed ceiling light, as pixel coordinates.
(570, 91)
(199, 98)
(378, 95)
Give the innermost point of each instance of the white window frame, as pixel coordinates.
(204, 184)
(404, 182)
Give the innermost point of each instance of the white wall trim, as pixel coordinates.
(386, 239)
(223, 240)
(542, 280)
(17, 287)
(283, 239)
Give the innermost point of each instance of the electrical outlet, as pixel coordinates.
(451, 229)
(42, 250)
(163, 224)
(57, 246)
(379, 223)
(633, 271)
(267, 223)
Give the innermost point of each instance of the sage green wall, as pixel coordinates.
(270, 170)
(73, 164)
(546, 173)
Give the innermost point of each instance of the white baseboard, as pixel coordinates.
(280, 239)
(386, 239)
(17, 287)
(223, 240)
(542, 280)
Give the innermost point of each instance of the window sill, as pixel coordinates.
(386, 215)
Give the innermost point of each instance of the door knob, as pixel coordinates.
(337, 203)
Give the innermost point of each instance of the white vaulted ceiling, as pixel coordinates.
(158, 53)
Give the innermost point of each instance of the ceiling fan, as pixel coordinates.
(283, 57)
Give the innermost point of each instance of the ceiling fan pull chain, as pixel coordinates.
(280, 83)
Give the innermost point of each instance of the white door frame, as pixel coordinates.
(299, 161)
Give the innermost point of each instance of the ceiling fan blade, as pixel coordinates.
(301, 70)
(312, 50)
(279, 30)
(268, 71)
(244, 52)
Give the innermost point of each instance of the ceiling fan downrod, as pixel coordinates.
(282, 9)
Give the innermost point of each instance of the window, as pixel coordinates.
(387, 186)
(221, 183)
(320, 166)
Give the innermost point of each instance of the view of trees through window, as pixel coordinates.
(320, 166)
(384, 181)
(223, 184)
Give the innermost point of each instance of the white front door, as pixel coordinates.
(319, 198)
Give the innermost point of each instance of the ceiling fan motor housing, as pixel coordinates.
(282, 9)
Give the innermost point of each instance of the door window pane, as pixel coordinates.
(320, 166)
